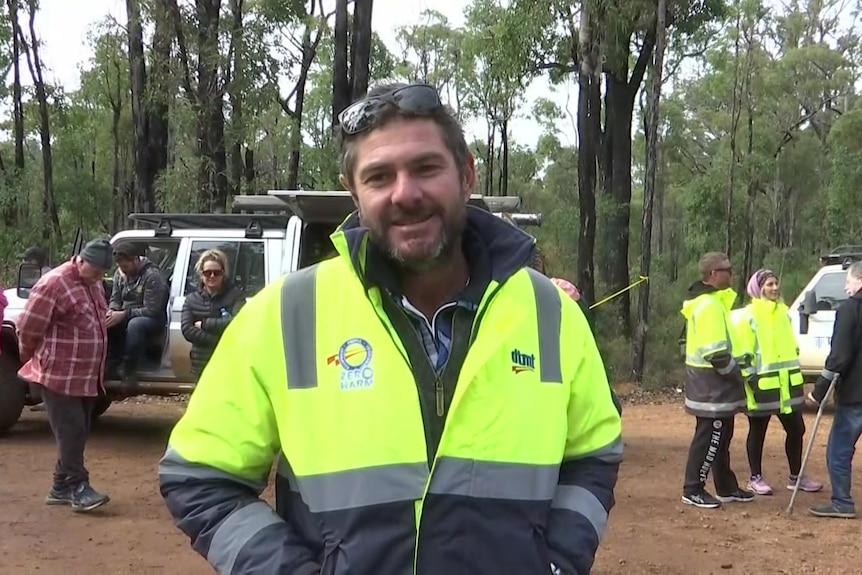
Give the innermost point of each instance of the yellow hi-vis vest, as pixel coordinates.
(710, 392)
(312, 369)
(774, 380)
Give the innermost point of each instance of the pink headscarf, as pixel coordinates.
(567, 287)
(755, 283)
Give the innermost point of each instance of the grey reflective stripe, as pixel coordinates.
(710, 407)
(174, 464)
(610, 453)
(828, 375)
(494, 480)
(767, 406)
(355, 488)
(549, 319)
(580, 500)
(778, 365)
(298, 328)
(727, 369)
(236, 531)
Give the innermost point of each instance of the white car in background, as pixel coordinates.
(812, 315)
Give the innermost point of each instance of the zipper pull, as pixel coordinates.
(440, 404)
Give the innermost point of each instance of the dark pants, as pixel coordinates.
(794, 429)
(710, 451)
(127, 341)
(846, 430)
(69, 418)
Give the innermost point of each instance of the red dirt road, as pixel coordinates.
(650, 530)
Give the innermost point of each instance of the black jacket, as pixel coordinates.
(214, 312)
(141, 295)
(843, 358)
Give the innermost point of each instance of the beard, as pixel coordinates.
(421, 253)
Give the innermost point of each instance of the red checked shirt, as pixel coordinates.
(62, 333)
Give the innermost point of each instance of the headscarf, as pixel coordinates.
(755, 283)
(567, 287)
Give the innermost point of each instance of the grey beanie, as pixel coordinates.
(98, 253)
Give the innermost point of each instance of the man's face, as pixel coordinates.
(410, 194)
(127, 264)
(89, 273)
(852, 285)
(722, 275)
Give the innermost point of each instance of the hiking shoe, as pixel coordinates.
(805, 484)
(59, 496)
(703, 500)
(740, 496)
(758, 485)
(85, 498)
(831, 511)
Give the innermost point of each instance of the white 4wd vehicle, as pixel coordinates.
(279, 233)
(812, 315)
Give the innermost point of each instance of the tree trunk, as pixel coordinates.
(589, 139)
(138, 82)
(652, 136)
(235, 95)
(619, 109)
(11, 212)
(341, 91)
(34, 63)
(360, 52)
(310, 41)
(160, 84)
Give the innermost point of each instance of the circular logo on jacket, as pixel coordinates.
(355, 353)
(354, 357)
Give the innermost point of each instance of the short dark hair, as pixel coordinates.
(450, 129)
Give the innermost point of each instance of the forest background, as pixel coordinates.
(701, 125)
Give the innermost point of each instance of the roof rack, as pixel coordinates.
(164, 224)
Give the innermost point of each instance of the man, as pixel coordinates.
(38, 256)
(714, 390)
(63, 340)
(137, 310)
(843, 360)
(436, 406)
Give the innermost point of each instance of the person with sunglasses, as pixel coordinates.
(714, 389)
(435, 404)
(208, 311)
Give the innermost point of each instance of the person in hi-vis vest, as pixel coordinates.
(714, 390)
(773, 380)
(434, 405)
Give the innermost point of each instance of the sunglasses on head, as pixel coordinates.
(212, 273)
(419, 99)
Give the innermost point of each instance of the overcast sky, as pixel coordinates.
(62, 26)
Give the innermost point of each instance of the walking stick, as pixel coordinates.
(811, 443)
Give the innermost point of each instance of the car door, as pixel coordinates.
(247, 262)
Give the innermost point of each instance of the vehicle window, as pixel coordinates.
(161, 251)
(315, 244)
(246, 264)
(830, 291)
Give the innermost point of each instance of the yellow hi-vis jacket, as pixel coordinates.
(314, 372)
(774, 380)
(713, 385)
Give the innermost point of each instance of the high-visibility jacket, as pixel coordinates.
(714, 386)
(774, 379)
(314, 371)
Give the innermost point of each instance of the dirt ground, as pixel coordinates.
(650, 530)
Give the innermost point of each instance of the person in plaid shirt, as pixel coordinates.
(63, 340)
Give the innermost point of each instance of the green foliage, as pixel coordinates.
(791, 182)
